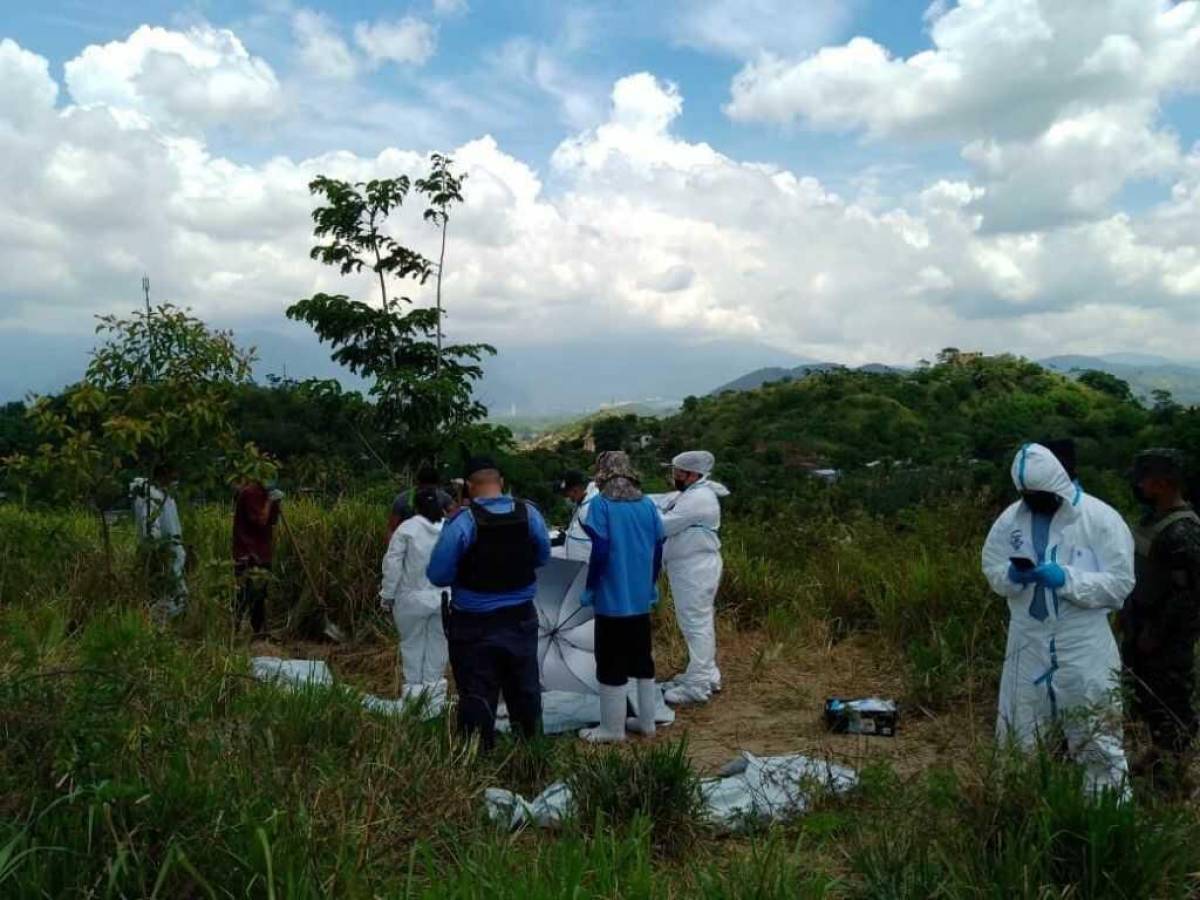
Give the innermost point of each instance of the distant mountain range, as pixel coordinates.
(1143, 373)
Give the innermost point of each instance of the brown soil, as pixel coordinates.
(772, 699)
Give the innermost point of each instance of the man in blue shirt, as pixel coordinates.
(627, 537)
(488, 555)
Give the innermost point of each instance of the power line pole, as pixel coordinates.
(146, 292)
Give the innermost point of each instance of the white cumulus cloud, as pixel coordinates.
(1056, 102)
(26, 88)
(997, 67)
(643, 230)
(195, 78)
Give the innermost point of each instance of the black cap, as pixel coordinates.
(1064, 451)
(573, 478)
(1163, 462)
(479, 464)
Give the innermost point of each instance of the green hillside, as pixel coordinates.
(965, 415)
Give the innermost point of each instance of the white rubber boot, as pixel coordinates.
(611, 729)
(647, 703)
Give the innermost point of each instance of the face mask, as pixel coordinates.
(681, 484)
(1042, 502)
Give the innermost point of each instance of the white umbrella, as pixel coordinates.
(566, 638)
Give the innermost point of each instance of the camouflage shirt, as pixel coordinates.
(1164, 609)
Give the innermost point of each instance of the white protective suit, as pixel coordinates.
(579, 545)
(156, 521)
(417, 609)
(1067, 667)
(692, 558)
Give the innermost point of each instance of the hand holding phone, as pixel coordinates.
(1020, 570)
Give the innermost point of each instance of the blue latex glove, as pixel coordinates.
(1020, 576)
(1050, 575)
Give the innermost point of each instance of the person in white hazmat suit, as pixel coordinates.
(1064, 561)
(414, 602)
(574, 543)
(160, 534)
(692, 558)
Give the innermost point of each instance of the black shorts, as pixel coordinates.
(623, 649)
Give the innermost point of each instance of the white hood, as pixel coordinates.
(717, 488)
(422, 524)
(1035, 468)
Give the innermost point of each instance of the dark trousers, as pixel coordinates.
(252, 594)
(623, 649)
(1163, 700)
(494, 654)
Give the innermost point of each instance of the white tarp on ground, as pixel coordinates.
(563, 711)
(753, 788)
(291, 673)
(431, 704)
(296, 673)
(749, 790)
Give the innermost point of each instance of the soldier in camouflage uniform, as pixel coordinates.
(1161, 619)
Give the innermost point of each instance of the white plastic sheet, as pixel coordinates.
(753, 789)
(749, 790)
(566, 629)
(291, 673)
(564, 711)
(431, 703)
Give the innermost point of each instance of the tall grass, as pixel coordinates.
(654, 783)
(912, 579)
(137, 761)
(58, 554)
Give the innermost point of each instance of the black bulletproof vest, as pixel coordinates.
(503, 557)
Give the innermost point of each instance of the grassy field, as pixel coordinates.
(142, 762)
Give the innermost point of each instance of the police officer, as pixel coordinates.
(1161, 620)
(488, 554)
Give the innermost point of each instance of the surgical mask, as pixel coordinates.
(1043, 502)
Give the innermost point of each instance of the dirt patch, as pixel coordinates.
(773, 697)
(771, 703)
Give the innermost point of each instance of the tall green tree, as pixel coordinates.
(156, 392)
(443, 188)
(422, 391)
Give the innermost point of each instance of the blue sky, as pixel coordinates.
(728, 180)
(621, 38)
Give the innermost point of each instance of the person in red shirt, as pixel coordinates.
(255, 513)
